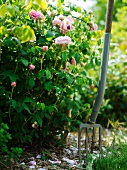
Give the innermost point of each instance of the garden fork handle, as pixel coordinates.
(109, 16)
(104, 64)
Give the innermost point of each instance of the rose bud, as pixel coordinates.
(92, 86)
(13, 84)
(31, 67)
(45, 48)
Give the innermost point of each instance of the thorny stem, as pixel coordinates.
(55, 62)
(42, 60)
(10, 105)
(28, 118)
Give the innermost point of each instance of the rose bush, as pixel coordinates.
(46, 57)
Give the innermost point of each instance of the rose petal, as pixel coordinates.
(32, 162)
(32, 167)
(38, 156)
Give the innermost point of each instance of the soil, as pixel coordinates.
(64, 157)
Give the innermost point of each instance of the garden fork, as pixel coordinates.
(105, 55)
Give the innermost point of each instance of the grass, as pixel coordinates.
(112, 159)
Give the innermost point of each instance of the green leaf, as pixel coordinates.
(49, 34)
(99, 42)
(26, 107)
(39, 119)
(2, 90)
(58, 88)
(42, 40)
(23, 52)
(49, 108)
(29, 100)
(24, 33)
(8, 41)
(48, 85)
(80, 80)
(47, 115)
(11, 10)
(69, 79)
(64, 56)
(25, 62)
(42, 4)
(59, 4)
(13, 77)
(48, 73)
(31, 82)
(83, 73)
(3, 31)
(13, 103)
(77, 57)
(3, 10)
(41, 73)
(40, 106)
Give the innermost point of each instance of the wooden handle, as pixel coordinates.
(109, 16)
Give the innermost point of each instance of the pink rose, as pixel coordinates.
(31, 67)
(56, 21)
(71, 19)
(45, 48)
(63, 40)
(13, 84)
(36, 15)
(66, 25)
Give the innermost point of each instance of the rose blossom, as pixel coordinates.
(31, 67)
(71, 19)
(13, 84)
(56, 21)
(45, 48)
(66, 25)
(36, 15)
(63, 40)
